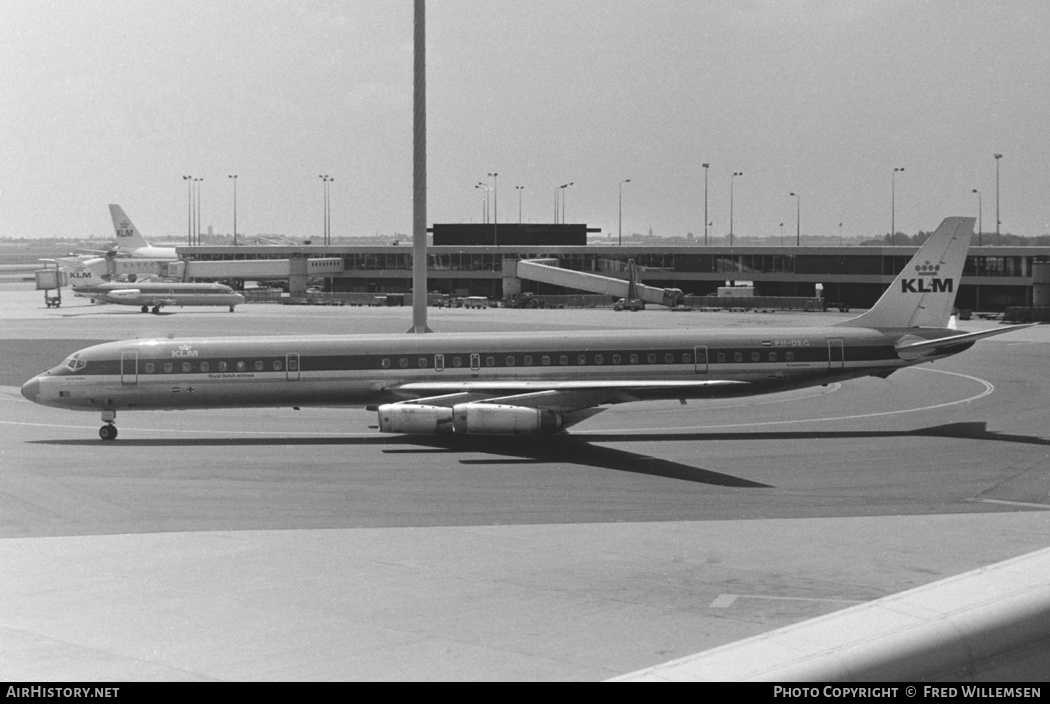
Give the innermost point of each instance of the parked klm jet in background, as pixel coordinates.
(521, 384)
(87, 281)
(130, 241)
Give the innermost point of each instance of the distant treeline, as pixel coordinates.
(988, 238)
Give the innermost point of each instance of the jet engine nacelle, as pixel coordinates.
(496, 419)
(413, 418)
(124, 294)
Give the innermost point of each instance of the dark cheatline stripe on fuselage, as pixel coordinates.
(153, 361)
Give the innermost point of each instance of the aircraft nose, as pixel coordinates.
(31, 389)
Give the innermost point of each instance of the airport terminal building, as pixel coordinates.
(470, 260)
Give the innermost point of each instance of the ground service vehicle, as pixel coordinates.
(631, 304)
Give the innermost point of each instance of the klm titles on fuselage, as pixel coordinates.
(185, 351)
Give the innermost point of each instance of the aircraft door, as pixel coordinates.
(291, 365)
(700, 360)
(129, 367)
(836, 356)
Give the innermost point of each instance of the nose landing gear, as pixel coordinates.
(109, 430)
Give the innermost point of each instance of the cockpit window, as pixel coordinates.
(74, 364)
(71, 366)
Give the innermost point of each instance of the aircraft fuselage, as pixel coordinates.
(367, 370)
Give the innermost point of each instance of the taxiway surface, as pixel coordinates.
(275, 544)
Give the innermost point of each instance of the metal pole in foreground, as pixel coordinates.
(419, 174)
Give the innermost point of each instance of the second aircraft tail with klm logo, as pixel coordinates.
(923, 295)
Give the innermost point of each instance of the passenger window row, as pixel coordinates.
(475, 361)
(440, 362)
(204, 367)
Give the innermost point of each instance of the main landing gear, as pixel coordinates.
(109, 430)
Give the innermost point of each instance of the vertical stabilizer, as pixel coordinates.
(923, 295)
(85, 272)
(128, 236)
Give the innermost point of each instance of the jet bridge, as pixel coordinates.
(547, 271)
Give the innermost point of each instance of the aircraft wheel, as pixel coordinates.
(145, 309)
(231, 309)
(108, 432)
(156, 309)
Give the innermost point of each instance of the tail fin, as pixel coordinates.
(128, 236)
(85, 272)
(923, 295)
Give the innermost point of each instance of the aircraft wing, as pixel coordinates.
(558, 395)
(910, 347)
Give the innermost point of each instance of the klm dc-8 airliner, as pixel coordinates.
(520, 384)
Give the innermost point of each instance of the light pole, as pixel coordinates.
(998, 222)
(731, 180)
(197, 224)
(781, 234)
(189, 209)
(234, 177)
(893, 203)
(798, 219)
(980, 227)
(519, 189)
(706, 166)
(563, 187)
(485, 206)
(326, 180)
(495, 209)
(840, 234)
(619, 229)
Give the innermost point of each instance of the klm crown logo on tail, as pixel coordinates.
(125, 229)
(927, 285)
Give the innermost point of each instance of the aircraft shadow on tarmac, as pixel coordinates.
(96, 312)
(581, 449)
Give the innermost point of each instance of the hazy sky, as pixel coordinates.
(106, 101)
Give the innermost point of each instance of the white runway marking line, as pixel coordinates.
(1003, 502)
(988, 388)
(724, 601)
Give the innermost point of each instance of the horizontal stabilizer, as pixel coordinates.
(913, 349)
